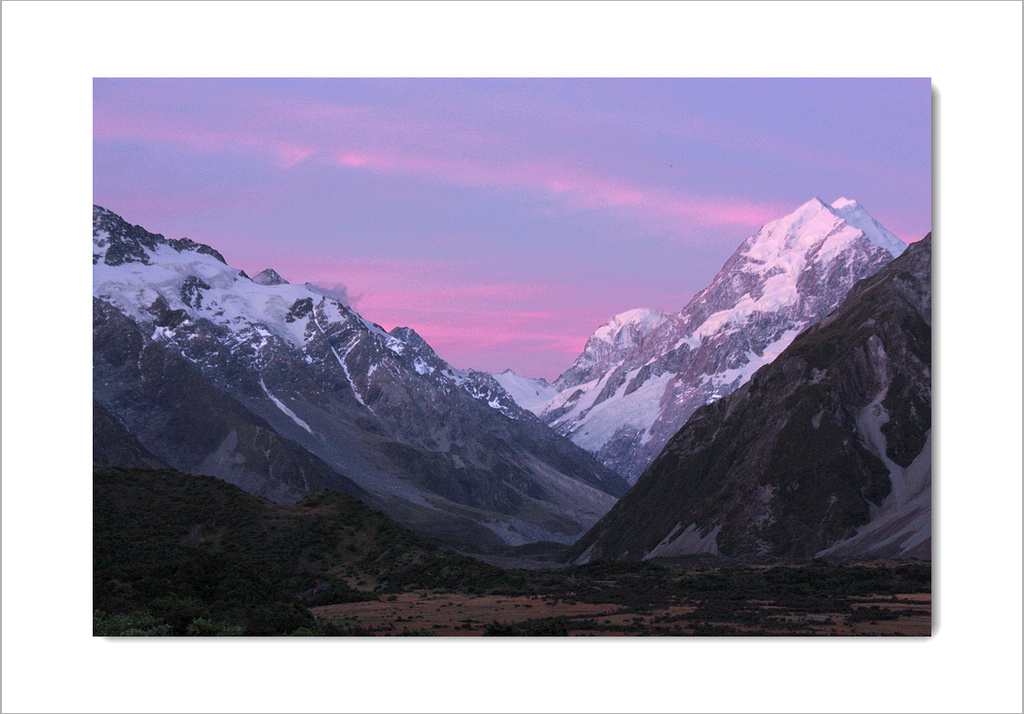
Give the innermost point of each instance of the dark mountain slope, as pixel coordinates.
(113, 445)
(185, 420)
(829, 442)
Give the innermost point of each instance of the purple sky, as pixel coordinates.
(504, 220)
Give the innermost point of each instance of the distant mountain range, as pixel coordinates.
(784, 411)
(641, 375)
(826, 451)
(284, 390)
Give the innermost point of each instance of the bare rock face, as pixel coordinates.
(284, 390)
(643, 374)
(826, 451)
(268, 277)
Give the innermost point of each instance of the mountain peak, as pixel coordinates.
(407, 334)
(642, 374)
(815, 205)
(803, 233)
(270, 386)
(642, 319)
(416, 344)
(116, 241)
(843, 408)
(843, 203)
(269, 277)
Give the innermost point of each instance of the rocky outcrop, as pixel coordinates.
(268, 277)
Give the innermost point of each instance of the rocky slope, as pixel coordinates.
(283, 390)
(643, 374)
(825, 451)
(113, 444)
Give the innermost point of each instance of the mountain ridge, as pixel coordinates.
(445, 451)
(825, 451)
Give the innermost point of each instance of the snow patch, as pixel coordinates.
(644, 320)
(638, 409)
(288, 412)
(870, 421)
(903, 525)
(816, 419)
(422, 367)
(588, 393)
(738, 376)
(533, 395)
(855, 215)
(586, 555)
(906, 483)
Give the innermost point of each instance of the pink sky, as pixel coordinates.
(504, 220)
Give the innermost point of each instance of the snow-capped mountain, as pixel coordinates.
(531, 393)
(610, 345)
(644, 373)
(824, 452)
(283, 390)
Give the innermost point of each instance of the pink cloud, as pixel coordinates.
(580, 190)
(475, 293)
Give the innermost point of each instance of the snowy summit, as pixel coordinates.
(642, 374)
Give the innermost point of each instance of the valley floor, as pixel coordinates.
(750, 600)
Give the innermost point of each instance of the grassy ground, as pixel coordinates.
(795, 599)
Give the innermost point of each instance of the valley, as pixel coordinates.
(177, 554)
(268, 462)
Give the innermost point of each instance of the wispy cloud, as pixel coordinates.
(578, 190)
(282, 152)
(340, 292)
(386, 143)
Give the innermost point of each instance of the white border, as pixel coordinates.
(52, 50)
